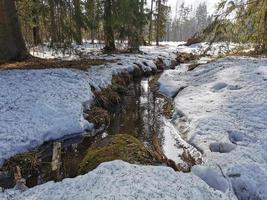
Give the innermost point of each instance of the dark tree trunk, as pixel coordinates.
(12, 45)
(150, 22)
(36, 31)
(108, 27)
(78, 22)
(53, 29)
(36, 25)
(158, 22)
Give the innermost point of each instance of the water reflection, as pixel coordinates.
(140, 114)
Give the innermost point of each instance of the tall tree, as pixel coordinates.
(78, 21)
(12, 45)
(150, 22)
(36, 23)
(53, 28)
(161, 19)
(108, 26)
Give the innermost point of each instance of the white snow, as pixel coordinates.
(221, 107)
(41, 105)
(120, 180)
(225, 103)
(214, 49)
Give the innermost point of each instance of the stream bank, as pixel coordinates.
(131, 105)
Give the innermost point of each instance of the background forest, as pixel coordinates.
(59, 23)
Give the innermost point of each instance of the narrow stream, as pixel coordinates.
(141, 112)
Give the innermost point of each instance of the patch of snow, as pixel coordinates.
(120, 180)
(40, 105)
(213, 178)
(226, 105)
(170, 83)
(214, 50)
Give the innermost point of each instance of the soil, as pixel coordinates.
(39, 63)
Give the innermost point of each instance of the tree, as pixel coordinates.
(12, 45)
(161, 19)
(78, 21)
(247, 21)
(150, 22)
(108, 26)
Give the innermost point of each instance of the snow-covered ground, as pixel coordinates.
(225, 106)
(119, 180)
(40, 105)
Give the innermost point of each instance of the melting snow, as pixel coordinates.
(226, 104)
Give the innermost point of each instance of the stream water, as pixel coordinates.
(141, 112)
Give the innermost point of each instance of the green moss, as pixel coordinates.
(118, 147)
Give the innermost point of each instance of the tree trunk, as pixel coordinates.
(150, 23)
(36, 24)
(12, 45)
(78, 22)
(158, 22)
(108, 27)
(53, 29)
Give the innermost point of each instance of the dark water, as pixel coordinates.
(139, 114)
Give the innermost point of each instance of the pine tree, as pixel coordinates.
(12, 46)
(161, 19)
(108, 26)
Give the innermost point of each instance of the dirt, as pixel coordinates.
(39, 63)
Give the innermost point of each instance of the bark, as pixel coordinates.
(78, 22)
(36, 25)
(53, 29)
(158, 22)
(12, 45)
(36, 31)
(150, 23)
(108, 27)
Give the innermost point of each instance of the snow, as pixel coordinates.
(120, 180)
(225, 103)
(220, 110)
(42, 105)
(214, 49)
(211, 177)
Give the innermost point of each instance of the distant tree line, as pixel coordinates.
(187, 22)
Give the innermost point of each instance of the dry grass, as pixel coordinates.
(107, 98)
(98, 116)
(186, 57)
(39, 63)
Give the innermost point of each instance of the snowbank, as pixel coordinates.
(120, 180)
(225, 103)
(41, 105)
(214, 50)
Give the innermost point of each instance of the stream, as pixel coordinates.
(141, 112)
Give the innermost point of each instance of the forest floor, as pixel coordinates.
(51, 63)
(221, 105)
